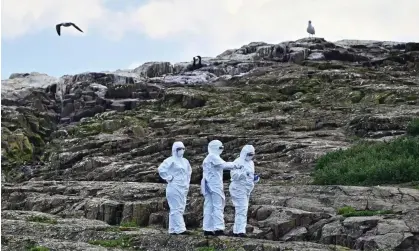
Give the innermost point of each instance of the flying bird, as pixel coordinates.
(310, 29)
(58, 27)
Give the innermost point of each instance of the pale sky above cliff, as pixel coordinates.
(121, 34)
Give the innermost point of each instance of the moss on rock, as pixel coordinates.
(16, 145)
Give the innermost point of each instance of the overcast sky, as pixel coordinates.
(121, 34)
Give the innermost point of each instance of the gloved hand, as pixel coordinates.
(170, 179)
(256, 178)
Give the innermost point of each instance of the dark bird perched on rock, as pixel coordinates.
(193, 66)
(199, 62)
(68, 24)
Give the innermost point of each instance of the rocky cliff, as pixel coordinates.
(80, 153)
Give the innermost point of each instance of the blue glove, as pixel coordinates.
(256, 178)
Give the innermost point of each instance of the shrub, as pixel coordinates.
(413, 127)
(371, 163)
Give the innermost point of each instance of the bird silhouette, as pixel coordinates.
(67, 24)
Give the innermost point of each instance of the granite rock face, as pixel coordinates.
(80, 153)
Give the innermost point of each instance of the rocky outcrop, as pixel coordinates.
(87, 147)
(56, 233)
(29, 116)
(154, 69)
(278, 213)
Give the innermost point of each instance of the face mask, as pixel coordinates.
(220, 150)
(180, 153)
(249, 157)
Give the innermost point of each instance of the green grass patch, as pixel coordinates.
(39, 248)
(352, 212)
(122, 242)
(370, 163)
(125, 226)
(129, 224)
(41, 219)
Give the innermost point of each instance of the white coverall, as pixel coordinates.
(212, 187)
(241, 186)
(177, 171)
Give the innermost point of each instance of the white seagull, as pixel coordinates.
(310, 29)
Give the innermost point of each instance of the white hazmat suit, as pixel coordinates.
(242, 183)
(213, 189)
(177, 171)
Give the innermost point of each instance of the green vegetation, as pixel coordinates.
(23, 133)
(205, 249)
(39, 248)
(16, 145)
(371, 163)
(413, 127)
(98, 125)
(129, 224)
(122, 242)
(124, 226)
(352, 212)
(33, 246)
(41, 219)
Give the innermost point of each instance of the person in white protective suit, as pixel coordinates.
(212, 188)
(242, 183)
(177, 171)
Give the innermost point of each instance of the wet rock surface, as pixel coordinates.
(80, 153)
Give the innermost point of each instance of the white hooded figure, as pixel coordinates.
(212, 188)
(242, 183)
(177, 171)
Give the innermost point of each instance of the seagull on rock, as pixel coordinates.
(310, 29)
(67, 24)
